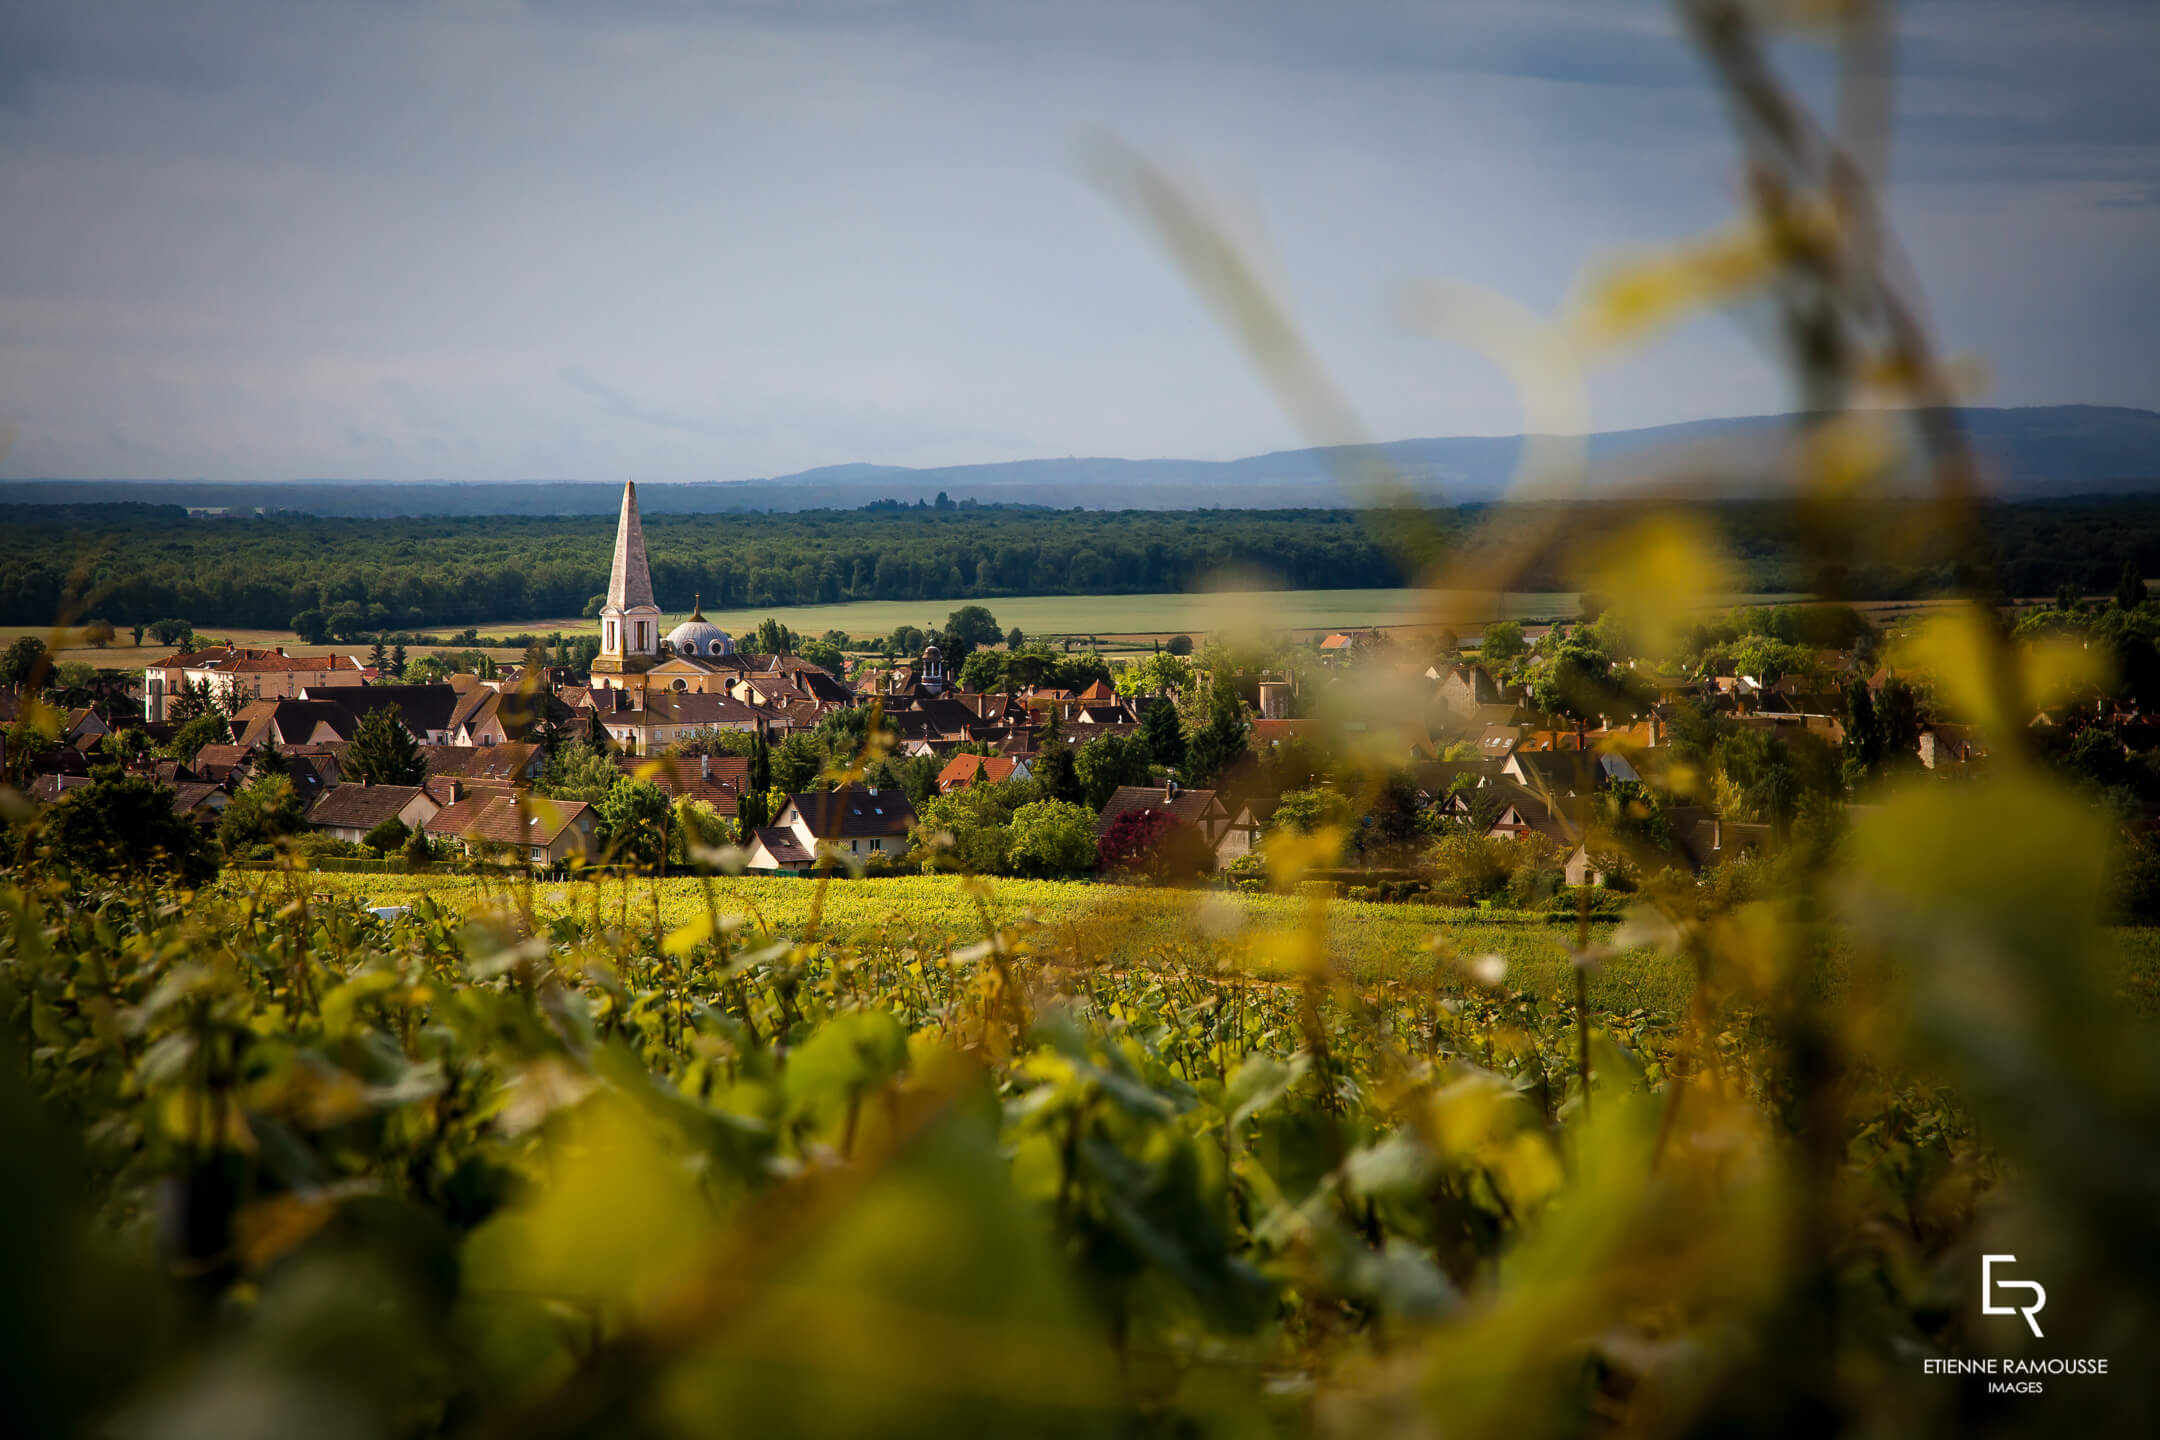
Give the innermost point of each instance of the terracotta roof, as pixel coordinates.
(362, 807)
(718, 780)
(272, 663)
(964, 770)
(542, 822)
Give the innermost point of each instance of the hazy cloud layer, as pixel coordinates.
(674, 241)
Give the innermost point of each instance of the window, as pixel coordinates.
(540, 854)
(608, 644)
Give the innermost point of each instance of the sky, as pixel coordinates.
(667, 241)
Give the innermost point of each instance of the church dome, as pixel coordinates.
(700, 637)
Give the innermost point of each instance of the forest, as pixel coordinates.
(129, 562)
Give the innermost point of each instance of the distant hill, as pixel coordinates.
(2031, 453)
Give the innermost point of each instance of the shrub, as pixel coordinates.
(388, 836)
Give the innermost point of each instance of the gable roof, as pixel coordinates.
(965, 770)
(780, 843)
(363, 807)
(854, 812)
(423, 708)
(1197, 808)
(718, 780)
(501, 820)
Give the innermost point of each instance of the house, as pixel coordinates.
(83, 728)
(1241, 836)
(1201, 809)
(1464, 689)
(775, 850)
(529, 828)
(964, 770)
(426, 710)
(286, 723)
(856, 820)
(717, 780)
(668, 716)
(1564, 772)
(243, 675)
(349, 812)
(199, 801)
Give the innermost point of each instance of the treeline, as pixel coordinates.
(128, 562)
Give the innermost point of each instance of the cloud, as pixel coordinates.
(493, 239)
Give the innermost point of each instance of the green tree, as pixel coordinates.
(1502, 643)
(634, 821)
(388, 836)
(798, 762)
(761, 778)
(1014, 639)
(98, 633)
(1054, 769)
(2130, 589)
(126, 825)
(180, 634)
(1052, 840)
(397, 660)
(1863, 732)
(772, 638)
(1180, 645)
(969, 830)
(208, 728)
(1219, 741)
(23, 663)
(906, 640)
(1309, 811)
(1107, 762)
(378, 656)
(264, 811)
(427, 670)
(1164, 734)
(984, 672)
(579, 772)
(968, 629)
(138, 635)
(383, 751)
(823, 654)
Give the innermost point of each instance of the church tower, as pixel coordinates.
(629, 621)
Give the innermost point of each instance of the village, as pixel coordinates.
(1509, 769)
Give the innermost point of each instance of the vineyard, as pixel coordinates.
(915, 1155)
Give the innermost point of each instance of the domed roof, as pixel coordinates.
(931, 652)
(699, 636)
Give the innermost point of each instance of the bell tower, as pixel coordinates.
(629, 621)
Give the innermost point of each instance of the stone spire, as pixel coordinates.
(630, 581)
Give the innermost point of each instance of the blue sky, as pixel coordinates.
(672, 241)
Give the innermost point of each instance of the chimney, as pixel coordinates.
(1169, 789)
(704, 767)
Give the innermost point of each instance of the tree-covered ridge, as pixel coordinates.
(125, 561)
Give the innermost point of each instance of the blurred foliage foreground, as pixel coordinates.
(283, 1168)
